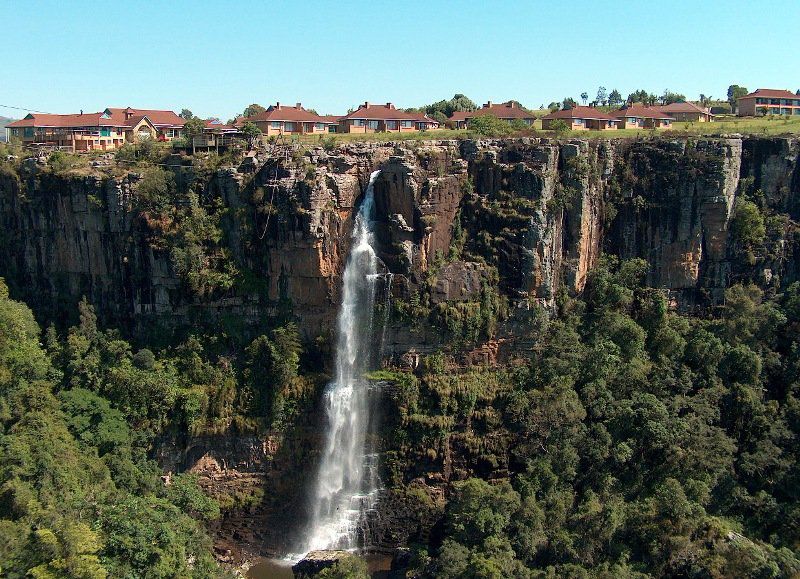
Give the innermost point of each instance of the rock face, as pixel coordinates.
(683, 197)
(316, 561)
(537, 210)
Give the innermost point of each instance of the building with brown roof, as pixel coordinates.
(581, 118)
(687, 112)
(768, 101)
(507, 111)
(372, 118)
(639, 116)
(281, 119)
(168, 125)
(83, 131)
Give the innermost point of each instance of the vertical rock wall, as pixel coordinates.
(537, 210)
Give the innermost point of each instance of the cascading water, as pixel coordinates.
(348, 484)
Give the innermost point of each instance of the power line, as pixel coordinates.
(23, 109)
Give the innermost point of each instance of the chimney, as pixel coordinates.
(81, 111)
(488, 105)
(389, 106)
(298, 106)
(511, 104)
(366, 104)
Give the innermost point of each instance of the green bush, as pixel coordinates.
(489, 126)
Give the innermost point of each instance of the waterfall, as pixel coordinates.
(347, 483)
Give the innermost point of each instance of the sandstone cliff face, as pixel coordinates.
(537, 210)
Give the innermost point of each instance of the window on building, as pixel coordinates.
(359, 122)
(287, 126)
(406, 124)
(275, 124)
(391, 125)
(319, 126)
(372, 124)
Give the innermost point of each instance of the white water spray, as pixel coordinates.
(347, 485)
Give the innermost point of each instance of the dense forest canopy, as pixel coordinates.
(640, 442)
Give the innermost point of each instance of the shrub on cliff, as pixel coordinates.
(489, 126)
(348, 567)
(747, 227)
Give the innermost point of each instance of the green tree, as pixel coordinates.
(670, 97)
(251, 132)
(614, 98)
(459, 102)
(602, 95)
(253, 110)
(186, 114)
(192, 128)
(735, 92)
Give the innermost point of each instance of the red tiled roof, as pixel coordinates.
(75, 120)
(506, 110)
(685, 107)
(159, 118)
(107, 118)
(641, 112)
(775, 93)
(330, 119)
(279, 112)
(579, 112)
(386, 112)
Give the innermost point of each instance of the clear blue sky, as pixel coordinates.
(217, 57)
